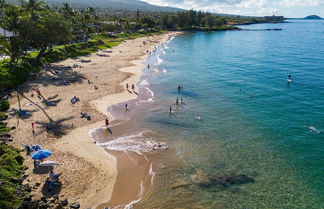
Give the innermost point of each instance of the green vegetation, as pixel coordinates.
(4, 105)
(11, 169)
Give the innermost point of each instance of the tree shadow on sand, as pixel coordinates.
(56, 189)
(55, 128)
(61, 76)
(21, 114)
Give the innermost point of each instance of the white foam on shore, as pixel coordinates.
(140, 195)
(152, 173)
(159, 60)
(144, 83)
(134, 143)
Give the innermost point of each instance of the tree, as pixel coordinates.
(53, 30)
(12, 21)
(148, 22)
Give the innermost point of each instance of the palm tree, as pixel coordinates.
(11, 21)
(33, 8)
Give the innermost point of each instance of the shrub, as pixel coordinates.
(4, 105)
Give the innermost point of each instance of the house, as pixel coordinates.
(5, 33)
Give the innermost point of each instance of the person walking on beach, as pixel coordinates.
(127, 86)
(107, 122)
(133, 87)
(33, 128)
(126, 107)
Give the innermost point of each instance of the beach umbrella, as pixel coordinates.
(48, 163)
(41, 154)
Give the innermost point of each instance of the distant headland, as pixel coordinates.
(313, 17)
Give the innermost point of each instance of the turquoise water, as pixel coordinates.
(252, 121)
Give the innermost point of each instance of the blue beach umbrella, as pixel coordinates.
(41, 154)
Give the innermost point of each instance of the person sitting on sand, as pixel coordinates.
(95, 87)
(74, 100)
(54, 176)
(85, 115)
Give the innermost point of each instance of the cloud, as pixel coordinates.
(298, 3)
(241, 7)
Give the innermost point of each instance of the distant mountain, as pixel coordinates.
(313, 17)
(114, 4)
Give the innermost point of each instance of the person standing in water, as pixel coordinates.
(181, 101)
(179, 88)
(289, 77)
(177, 101)
(170, 110)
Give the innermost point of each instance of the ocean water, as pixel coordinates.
(240, 117)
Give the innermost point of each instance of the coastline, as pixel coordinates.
(85, 166)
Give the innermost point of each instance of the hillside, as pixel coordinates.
(114, 4)
(313, 17)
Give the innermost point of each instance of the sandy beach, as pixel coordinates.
(98, 80)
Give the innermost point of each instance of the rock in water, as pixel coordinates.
(201, 178)
(179, 184)
(235, 179)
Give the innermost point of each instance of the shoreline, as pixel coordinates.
(81, 160)
(138, 165)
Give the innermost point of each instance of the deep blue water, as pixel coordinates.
(253, 121)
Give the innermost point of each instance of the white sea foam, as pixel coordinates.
(131, 204)
(144, 83)
(134, 143)
(314, 130)
(159, 60)
(152, 173)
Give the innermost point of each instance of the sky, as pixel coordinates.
(287, 8)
